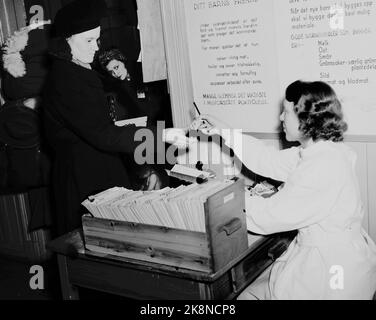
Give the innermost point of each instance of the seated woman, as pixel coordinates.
(332, 257)
(129, 99)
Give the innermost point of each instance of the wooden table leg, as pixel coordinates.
(69, 291)
(205, 292)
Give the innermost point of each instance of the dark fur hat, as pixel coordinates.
(79, 16)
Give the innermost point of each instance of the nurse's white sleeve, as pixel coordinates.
(264, 160)
(305, 199)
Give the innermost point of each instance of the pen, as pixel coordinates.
(203, 122)
(198, 111)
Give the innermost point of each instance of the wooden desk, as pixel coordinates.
(142, 280)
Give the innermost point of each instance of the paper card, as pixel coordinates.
(138, 122)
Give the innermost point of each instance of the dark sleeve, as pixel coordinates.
(84, 111)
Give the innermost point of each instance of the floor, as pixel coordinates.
(15, 281)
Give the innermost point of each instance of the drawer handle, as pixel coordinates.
(275, 251)
(232, 226)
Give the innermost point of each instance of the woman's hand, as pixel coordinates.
(147, 179)
(153, 182)
(176, 137)
(31, 103)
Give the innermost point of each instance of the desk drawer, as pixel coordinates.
(254, 264)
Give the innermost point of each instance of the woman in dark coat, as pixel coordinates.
(77, 120)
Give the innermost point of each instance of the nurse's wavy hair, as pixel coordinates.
(318, 109)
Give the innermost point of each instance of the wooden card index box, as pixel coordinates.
(224, 240)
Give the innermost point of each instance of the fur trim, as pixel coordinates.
(12, 59)
(17, 42)
(14, 64)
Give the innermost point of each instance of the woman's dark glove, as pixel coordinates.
(149, 178)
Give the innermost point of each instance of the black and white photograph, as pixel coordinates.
(187, 157)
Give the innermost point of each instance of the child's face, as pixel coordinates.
(117, 69)
(290, 122)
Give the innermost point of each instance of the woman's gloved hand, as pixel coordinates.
(177, 137)
(152, 182)
(150, 179)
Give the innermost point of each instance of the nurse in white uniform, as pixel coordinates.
(332, 257)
